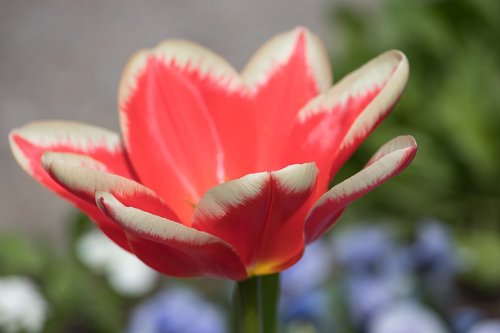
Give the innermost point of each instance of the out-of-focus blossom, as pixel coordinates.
(376, 271)
(463, 319)
(433, 261)
(487, 326)
(363, 249)
(22, 307)
(303, 300)
(176, 310)
(368, 294)
(126, 274)
(406, 317)
(312, 309)
(222, 174)
(310, 272)
(433, 250)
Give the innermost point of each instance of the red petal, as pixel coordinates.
(390, 160)
(284, 75)
(28, 143)
(83, 176)
(170, 136)
(172, 248)
(225, 96)
(333, 125)
(258, 215)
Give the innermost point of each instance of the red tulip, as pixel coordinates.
(223, 174)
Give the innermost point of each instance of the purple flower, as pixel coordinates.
(433, 250)
(487, 326)
(463, 319)
(303, 299)
(368, 294)
(176, 310)
(313, 269)
(363, 249)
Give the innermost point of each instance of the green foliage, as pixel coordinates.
(451, 106)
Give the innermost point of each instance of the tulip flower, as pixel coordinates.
(219, 173)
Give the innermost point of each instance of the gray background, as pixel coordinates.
(62, 59)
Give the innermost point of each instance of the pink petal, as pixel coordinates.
(170, 136)
(330, 127)
(283, 76)
(390, 160)
(172, 248)
(29, 143)
(259, 215)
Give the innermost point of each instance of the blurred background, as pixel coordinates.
(424, 248)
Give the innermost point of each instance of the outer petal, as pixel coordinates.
(258, 216)
(390, 160)
(84, 176)
(284, 75)
(333, 125)
(172, 248)
(28, 143)
(170, 136)
(81, 176)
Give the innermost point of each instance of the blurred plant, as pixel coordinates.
(176, 310)
(126, 274)
(22, 307)
(451, 104)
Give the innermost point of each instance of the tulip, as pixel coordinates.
(219, 173)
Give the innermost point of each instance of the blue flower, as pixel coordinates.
(433, 250)
(303, 298)
(176, 310)
(463, 319)
(487, 326)
(362, 250)
(368, 294)
(311, 272)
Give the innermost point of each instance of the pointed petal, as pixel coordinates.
(222, 91)
(286, 48)
(190, 58)
(331, 126)
(84, 176)
(259, 216)
(103, 147)
(170, 247)
(170, 136)
(79, 177)
(390, 160)
(29, 142)
(287, 72)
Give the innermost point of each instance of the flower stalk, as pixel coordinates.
(255, 305)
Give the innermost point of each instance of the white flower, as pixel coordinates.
(406, 317)
(125, 273)
(22, 308)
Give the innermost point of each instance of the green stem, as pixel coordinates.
(255, 305)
